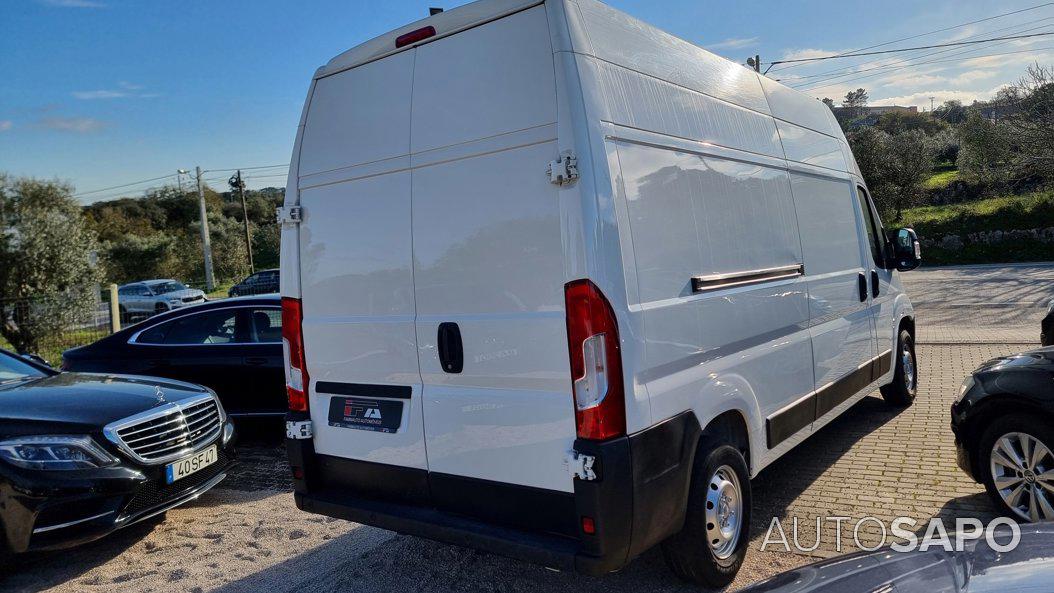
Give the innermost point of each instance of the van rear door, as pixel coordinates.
(488, 265)
(356, 270)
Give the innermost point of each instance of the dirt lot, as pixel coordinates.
(247, 535)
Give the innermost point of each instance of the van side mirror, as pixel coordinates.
(907, 253)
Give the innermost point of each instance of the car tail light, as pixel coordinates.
(596, 362)
(415, 36)
(296, 379)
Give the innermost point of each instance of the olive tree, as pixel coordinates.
(48, 275)
(894, 166)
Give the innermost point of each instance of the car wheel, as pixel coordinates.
(1015, 457)
(710, 548)
(901, 392)
(160, 308)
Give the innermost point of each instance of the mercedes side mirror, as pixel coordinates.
(907, 253)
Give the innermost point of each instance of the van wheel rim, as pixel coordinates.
(1023, 473)
(907, 364)
(724, 512)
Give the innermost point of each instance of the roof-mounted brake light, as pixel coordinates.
(415, 36)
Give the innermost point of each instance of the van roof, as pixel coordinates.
(445, 23)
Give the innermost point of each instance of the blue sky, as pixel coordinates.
(104, 92)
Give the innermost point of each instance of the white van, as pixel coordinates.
(557, 284)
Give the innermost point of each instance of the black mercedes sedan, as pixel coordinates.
(82, 455)
(232, 346)
(1003, 420)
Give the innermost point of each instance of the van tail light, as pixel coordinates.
(296, 379)
(596, 362)
(415, 36)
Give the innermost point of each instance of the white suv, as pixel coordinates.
(156, 296)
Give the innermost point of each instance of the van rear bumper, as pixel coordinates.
(637, 500)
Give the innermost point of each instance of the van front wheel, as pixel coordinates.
(710, 548)
(901, 392)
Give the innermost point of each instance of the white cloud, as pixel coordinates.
(971, 76)
(78, 125)
(734, 43)
(963, 33)
(125, 89)
(74, 3)
(99, 94)
(806, 53)
(922, 98)
(6, 124)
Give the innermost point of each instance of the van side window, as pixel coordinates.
(874, 228)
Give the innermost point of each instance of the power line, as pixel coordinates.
(902, 64)
(245, 168)
(95, 191)
(837, 72)
(831, 82)
(890, 51)
(930, 32)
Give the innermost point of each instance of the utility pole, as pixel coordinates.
(236, 183)
(931, 104)
(206, 244)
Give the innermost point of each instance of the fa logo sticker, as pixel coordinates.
(373, 413)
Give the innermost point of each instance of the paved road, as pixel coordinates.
(873, 461)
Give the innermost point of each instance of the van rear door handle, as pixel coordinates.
(451, 353)
(874, 284)
(861, 285)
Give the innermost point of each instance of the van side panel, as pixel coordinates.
(843, 341)
(618, 38)
(741, 348)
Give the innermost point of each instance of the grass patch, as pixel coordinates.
(1005, 213)
(941, 179)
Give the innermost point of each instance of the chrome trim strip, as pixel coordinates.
(71, 523)
(730, 279)
(133, 340)
(170, 409)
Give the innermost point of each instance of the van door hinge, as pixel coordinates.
(290, 215)
(298, 430)
(563, 170)
(581, 466)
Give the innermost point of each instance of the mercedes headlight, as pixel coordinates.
(55, 452)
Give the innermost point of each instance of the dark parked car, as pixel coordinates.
(1003, 422)
(976, 569)
(1046, 328)
(262, 282)
(82, 455)
(233, 346)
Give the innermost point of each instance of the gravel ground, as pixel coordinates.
(233, 541)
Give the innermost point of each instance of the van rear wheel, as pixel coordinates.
(710, 548)
(901, 392)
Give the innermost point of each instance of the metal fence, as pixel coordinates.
(47, 326)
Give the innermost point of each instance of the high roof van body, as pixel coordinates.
(557, 284)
